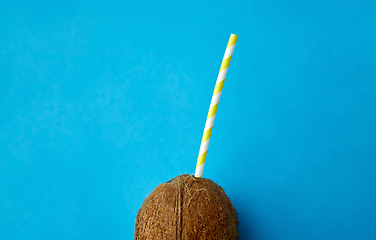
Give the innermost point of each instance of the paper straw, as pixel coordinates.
(214, 105)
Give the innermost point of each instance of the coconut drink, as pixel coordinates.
(187, 206)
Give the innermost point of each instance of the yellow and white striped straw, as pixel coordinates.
(214, 105)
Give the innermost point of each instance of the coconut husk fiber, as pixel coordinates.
(187, 207)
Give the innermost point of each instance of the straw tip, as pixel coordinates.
(233, 35)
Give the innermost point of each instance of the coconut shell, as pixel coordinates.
(187, 207)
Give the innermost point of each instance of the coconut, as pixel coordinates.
(187, 207)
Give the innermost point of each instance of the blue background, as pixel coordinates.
(101, 101)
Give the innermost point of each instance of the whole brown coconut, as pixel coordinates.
(187, 207)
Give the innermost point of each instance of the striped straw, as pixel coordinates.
(214, 105)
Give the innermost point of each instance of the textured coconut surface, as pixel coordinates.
(187, 207)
